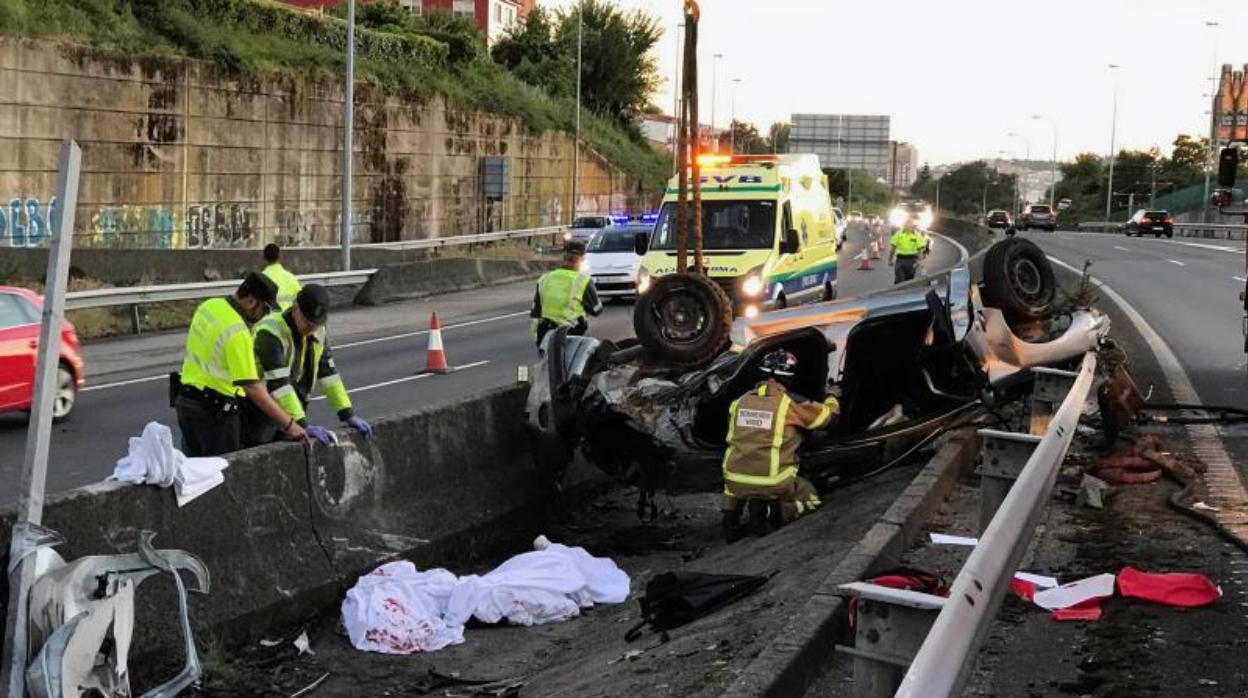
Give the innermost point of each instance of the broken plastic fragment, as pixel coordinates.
(1186, 590)
(946, 539)
(1088, 611)
(1081, 591)
(303, 645)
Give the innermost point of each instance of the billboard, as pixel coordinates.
(1230, 106)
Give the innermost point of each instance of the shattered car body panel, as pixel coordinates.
(907, 362)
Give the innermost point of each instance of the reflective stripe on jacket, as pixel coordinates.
(763, 437)
(292, 364)
(219, 354)
(908, 243)
(287, 284)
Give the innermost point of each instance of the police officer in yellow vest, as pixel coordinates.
(287, 283)
(760, 467)
(906, 247)
(219, 369)
(294, 356)
(564, 297)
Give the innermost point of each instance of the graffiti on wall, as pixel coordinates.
(26, 223)
(134, 226)
(219, 225)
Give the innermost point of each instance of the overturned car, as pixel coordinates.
(907, 363)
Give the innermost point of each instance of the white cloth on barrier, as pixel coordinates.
(153, 460)
(397, 609)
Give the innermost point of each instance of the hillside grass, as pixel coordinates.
(258, 38)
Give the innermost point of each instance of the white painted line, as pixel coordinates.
(1219, 248)
(961, 248)
(1175, 261)
(405, 379)
(348, 345)
(417, 333)
(118, 384)
(1240, 279)
(1116, 247)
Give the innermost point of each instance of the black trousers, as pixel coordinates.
(904, 269)
(206, 429)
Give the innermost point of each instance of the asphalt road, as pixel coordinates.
(379, 352)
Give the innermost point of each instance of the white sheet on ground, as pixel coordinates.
(1098, 587)
(152, 459)
(399, 610)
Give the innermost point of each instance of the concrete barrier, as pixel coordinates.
(397, 281)
(291, 527)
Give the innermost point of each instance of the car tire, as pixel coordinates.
(1170, 234)
(684, 319)
(829, 291)
(1018, 280)
(66, 395)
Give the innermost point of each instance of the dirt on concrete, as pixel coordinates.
(1136, 648)
(588, 656)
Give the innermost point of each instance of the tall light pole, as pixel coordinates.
(1213, 110)
(732, 124)
(1018, 204)
(1053, 170)
(348, 127)
(714, 85)
(1113, 136)
(1027, 149)
(576, 146)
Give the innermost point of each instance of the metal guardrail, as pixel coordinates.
(935, 640)
(1220, 231)
(139, 295)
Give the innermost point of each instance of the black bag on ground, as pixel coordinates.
(673, 599)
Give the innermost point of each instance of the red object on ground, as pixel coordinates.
(435, 360)
(1123, 476)
(864, 261)
(1023, 589)
(1183, 589)
(1087, 611)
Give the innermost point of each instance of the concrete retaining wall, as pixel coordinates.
(398, 281)
(290, 527)
(177, 154)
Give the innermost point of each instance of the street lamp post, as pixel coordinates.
(348, 126)
(1027, 149)
(1018, 207)
(732, 125)
(714, 86)
(1053, 167)
(676, 99)
(1113, 136)
(576, 146)
(1213, 109)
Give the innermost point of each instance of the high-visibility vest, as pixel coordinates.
(295, 362)
(908, 243)
(287, 284)
(561, 291)
(219, 350)
(763, 437)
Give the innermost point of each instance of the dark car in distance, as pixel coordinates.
(998, 219)
(1156, 222)
(1040, 216)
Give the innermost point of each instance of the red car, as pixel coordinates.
(20, 311)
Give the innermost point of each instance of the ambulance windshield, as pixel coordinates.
(726, 225)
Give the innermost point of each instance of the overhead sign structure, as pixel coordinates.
(1230, 106)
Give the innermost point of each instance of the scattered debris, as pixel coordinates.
(1201, 506)
(312, 686)
(946, 539)
(1093, 492)
(270, 643)
(628, 656)
(673, 599)
(303, 645)
(1074, 593)
(1182, 589)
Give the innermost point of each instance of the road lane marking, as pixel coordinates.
(1219, 248)
(1229, 495)
(1116, 247)
(348, 345)
(1239, 279)
(417, 333)
(1175, 261)
(118, 384)
(405, 379)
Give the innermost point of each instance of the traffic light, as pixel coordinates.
(1228, 165)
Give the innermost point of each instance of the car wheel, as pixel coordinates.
(781, 302)
(1169, 233)
(683, 319)
(1018, 280)
(66, 394)
(829, 291)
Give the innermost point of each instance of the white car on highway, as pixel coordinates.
(612, 261)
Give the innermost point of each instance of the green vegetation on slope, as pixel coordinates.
(252, 37)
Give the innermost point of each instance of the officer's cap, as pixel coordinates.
(313, 302)
(574, 248)
(260, 287)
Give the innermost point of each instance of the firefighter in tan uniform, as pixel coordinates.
(760, 467)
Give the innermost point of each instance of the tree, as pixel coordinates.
(618, 72)
(745, 138)
(778, 136)
(968, 188)
(868, 193)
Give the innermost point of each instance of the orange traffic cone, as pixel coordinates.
(875, 248)
(435, 361)
(864, 261)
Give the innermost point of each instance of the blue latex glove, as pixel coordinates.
(322, 434)
(361, 426)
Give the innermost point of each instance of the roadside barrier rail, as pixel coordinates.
(1212, 231)
(914, 645)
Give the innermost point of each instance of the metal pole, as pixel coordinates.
(576, 147)
(1211, 156)
(714, 85)
(938, 192)
(39, 432)
(732, 125)
(348, 132)
(1113, 135)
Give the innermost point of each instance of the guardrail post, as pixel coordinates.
(1051, 388)
(890, 627)
(136, 322)
(1002, 457)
